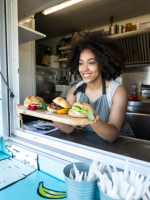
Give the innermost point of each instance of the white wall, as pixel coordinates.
(139, 77)
(27, 71)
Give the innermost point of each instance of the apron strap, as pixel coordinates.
(103, 86)
(82, 87)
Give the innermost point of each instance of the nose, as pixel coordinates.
(85, 67)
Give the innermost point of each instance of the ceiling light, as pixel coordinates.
(60, 6)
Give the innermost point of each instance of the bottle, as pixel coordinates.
(139, 91)
(134, 89)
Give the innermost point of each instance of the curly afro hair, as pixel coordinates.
(109, 54)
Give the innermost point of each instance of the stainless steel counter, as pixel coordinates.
(130, 147)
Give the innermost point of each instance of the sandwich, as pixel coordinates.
(33, 101)
(82, 110)
(59, 105)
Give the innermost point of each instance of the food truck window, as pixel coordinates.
(16, 119)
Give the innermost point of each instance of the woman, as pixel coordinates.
(99, 60)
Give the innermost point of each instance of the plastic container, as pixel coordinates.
(53, 61)
(79, 190)
(134, 89)
(64, 89)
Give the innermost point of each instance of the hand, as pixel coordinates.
(97, 117)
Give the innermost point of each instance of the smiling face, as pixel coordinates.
(88, 66)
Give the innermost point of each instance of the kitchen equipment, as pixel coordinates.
(138, 107)
(47, 91)
(79, 190)
(47, 86)
(53, 61)
(64, 90)
(111, 20)
(65, 118)
(138, 116)
(128, 27)
(49, 96)
(108, 24)
(55, 79)
(143, 25)
(145, 91)
(113, 30)
(120, 29)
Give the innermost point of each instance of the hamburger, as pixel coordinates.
(82, 110)
(33, 101)
(58, 104)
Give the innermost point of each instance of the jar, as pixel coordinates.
(128, 27)
(68, 52)
(138, 26)
(65, 54)
(134, 89)
(62, 55)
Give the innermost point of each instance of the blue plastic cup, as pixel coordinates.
(79, 190)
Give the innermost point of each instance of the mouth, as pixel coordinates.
(86, 75)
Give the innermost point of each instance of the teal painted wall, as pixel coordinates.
(1, 130)
(51, 167)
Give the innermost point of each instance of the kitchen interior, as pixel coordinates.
(43, 63)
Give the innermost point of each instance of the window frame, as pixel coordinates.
(70, 147)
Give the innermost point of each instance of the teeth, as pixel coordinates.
(87, 74)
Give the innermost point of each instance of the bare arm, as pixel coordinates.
(111, 130)
(72, 99)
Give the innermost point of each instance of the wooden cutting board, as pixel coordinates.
(63, 118)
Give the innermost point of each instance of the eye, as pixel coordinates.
(80, 63)
(91, 63)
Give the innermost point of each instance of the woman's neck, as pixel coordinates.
(96, 84)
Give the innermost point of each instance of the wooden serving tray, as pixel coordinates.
(63, 118)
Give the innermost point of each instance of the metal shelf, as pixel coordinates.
(131, 33)
(63, 59)
(49, 68)
(66, 47)
(27, 34)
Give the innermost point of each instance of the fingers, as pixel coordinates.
(97, 117)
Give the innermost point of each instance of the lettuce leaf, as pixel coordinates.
(90, 115)
(43, 106)
(83, 111)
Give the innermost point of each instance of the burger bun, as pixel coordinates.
(62, 102)
(86, 106)
(31, 99)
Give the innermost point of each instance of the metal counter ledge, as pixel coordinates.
(131, 147)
